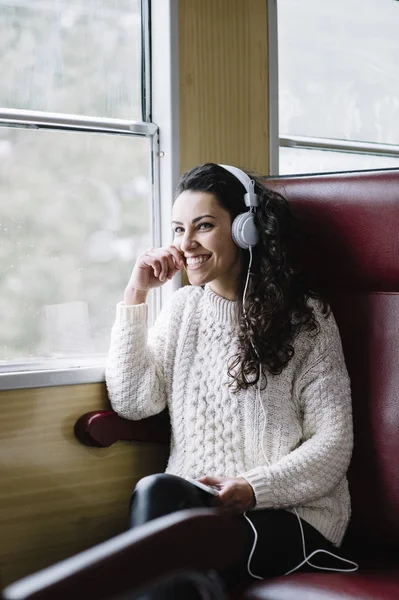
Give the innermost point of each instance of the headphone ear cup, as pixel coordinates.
(244, 231)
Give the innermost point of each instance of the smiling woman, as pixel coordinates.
(249, 363)
(203, 236)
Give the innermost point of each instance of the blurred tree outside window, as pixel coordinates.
(338, 79)
(75, 207)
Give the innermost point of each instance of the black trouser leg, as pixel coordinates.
(279, 546)
(162, 494)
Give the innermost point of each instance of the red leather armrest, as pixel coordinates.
(102, 428)
(175, 543)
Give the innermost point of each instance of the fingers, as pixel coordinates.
(165, 262)
(228, 494)
(153, 268)
(169, 266)
(235, 495)
(174, 266)
(178, 256)
(208, 480)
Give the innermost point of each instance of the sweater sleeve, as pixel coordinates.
(321, 461)
(136, 369)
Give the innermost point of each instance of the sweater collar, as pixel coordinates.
(222, 310)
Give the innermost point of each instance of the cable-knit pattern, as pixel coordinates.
(181, 435)
(218, 431)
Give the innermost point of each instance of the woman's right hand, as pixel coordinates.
(153, 268)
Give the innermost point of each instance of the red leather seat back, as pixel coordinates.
(351, 222)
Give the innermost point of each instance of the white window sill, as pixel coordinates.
(51, 372)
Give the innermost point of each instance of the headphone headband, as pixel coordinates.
(250, 198)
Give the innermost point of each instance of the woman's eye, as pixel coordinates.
(202, 226)
(205, 225)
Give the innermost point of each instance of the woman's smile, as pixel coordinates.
(196, 262)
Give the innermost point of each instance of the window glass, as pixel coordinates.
(301, 160)
(69, 56)
(75, 211)
(338, 69)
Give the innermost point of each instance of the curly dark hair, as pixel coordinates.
(276, 304)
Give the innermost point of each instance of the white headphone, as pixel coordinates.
(243, 230)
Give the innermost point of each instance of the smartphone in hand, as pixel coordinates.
(206, 488)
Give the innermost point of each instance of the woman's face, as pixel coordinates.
(202, 232)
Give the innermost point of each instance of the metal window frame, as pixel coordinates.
(336, 145)
(31, 119)
(37, 373)
(146, 83)
(166, 113)
(272, 41)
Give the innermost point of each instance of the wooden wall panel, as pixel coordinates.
(224, 83)
(58, 497)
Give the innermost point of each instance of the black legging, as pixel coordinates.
(279, 546)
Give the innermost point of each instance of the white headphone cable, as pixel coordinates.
(246, 282)
(320, 550)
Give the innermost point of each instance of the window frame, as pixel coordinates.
(272, 39)
(337, 145)
(278, 141)
(159, 25)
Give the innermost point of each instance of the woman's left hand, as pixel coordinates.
(235, 495)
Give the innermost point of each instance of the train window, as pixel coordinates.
(70, 235)
(338, 85)
(72, 57)
(80, 178)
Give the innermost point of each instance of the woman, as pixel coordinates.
(249, 362)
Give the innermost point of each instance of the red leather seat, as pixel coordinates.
(309, 586)
(352, 253)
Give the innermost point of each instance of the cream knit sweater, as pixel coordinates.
(182, 363)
